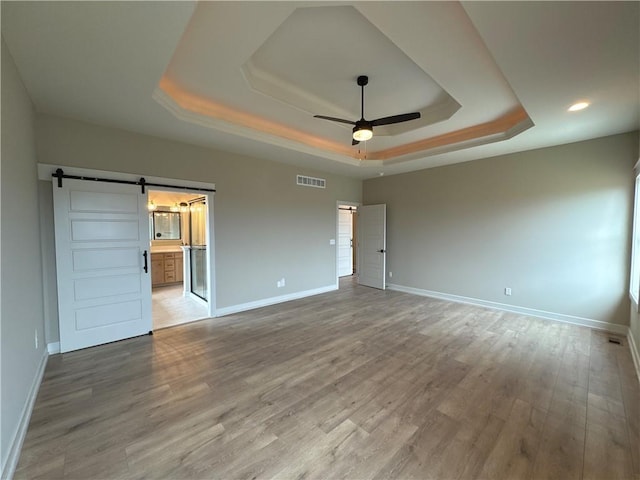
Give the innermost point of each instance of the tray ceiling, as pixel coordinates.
(305, 60)
(247, 77)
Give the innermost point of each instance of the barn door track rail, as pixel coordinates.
(59, 174)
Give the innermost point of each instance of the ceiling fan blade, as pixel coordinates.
(354, 142)
(334, 119)
(405, 117)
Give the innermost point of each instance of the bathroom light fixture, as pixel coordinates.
(184, 207)
(175, 207)
(578, 106)
(151, 206)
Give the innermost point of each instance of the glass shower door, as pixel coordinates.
(198, 257)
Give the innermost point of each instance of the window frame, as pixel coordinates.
(634, 280)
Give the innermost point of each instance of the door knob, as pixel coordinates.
(381, 251)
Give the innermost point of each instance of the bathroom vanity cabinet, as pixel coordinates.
(166, 268)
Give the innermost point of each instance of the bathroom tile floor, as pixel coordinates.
(170, 307)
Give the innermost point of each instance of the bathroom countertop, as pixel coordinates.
(171, 249)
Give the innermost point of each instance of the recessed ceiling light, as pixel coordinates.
(578, 106)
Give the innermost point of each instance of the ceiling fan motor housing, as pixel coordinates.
(363, 124)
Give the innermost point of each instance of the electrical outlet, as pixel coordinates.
(390, 274)
(36, 338)
(507, 291)
(280, 283)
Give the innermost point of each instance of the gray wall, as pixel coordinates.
(266, 227)
(21, 313)
(553, 224)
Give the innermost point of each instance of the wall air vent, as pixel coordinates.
(311, 181)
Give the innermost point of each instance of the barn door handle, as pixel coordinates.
(146, 264)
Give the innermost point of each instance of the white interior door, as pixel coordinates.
(372, 241)
(345, 247)
(102, 238)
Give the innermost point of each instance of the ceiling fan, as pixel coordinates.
(363, 129)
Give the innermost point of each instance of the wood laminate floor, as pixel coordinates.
(357, 383)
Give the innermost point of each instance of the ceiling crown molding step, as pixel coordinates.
(502, 128)
(192, 108)
(203, 112)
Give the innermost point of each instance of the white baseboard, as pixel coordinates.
(53, 348)
(558, 317)
(9, 468)
(243, 307)
(634, 352)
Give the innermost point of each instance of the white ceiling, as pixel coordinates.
(488, 77)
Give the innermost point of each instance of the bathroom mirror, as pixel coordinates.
(166, 226)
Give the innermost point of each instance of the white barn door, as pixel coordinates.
(372, 241)
(102, 239)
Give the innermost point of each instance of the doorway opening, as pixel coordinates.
(102, 251)
(179, 251)
(346, 245)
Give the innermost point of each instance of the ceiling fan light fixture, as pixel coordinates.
(362, 134)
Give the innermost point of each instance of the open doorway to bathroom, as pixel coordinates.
(177, 229)
(346, 244)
